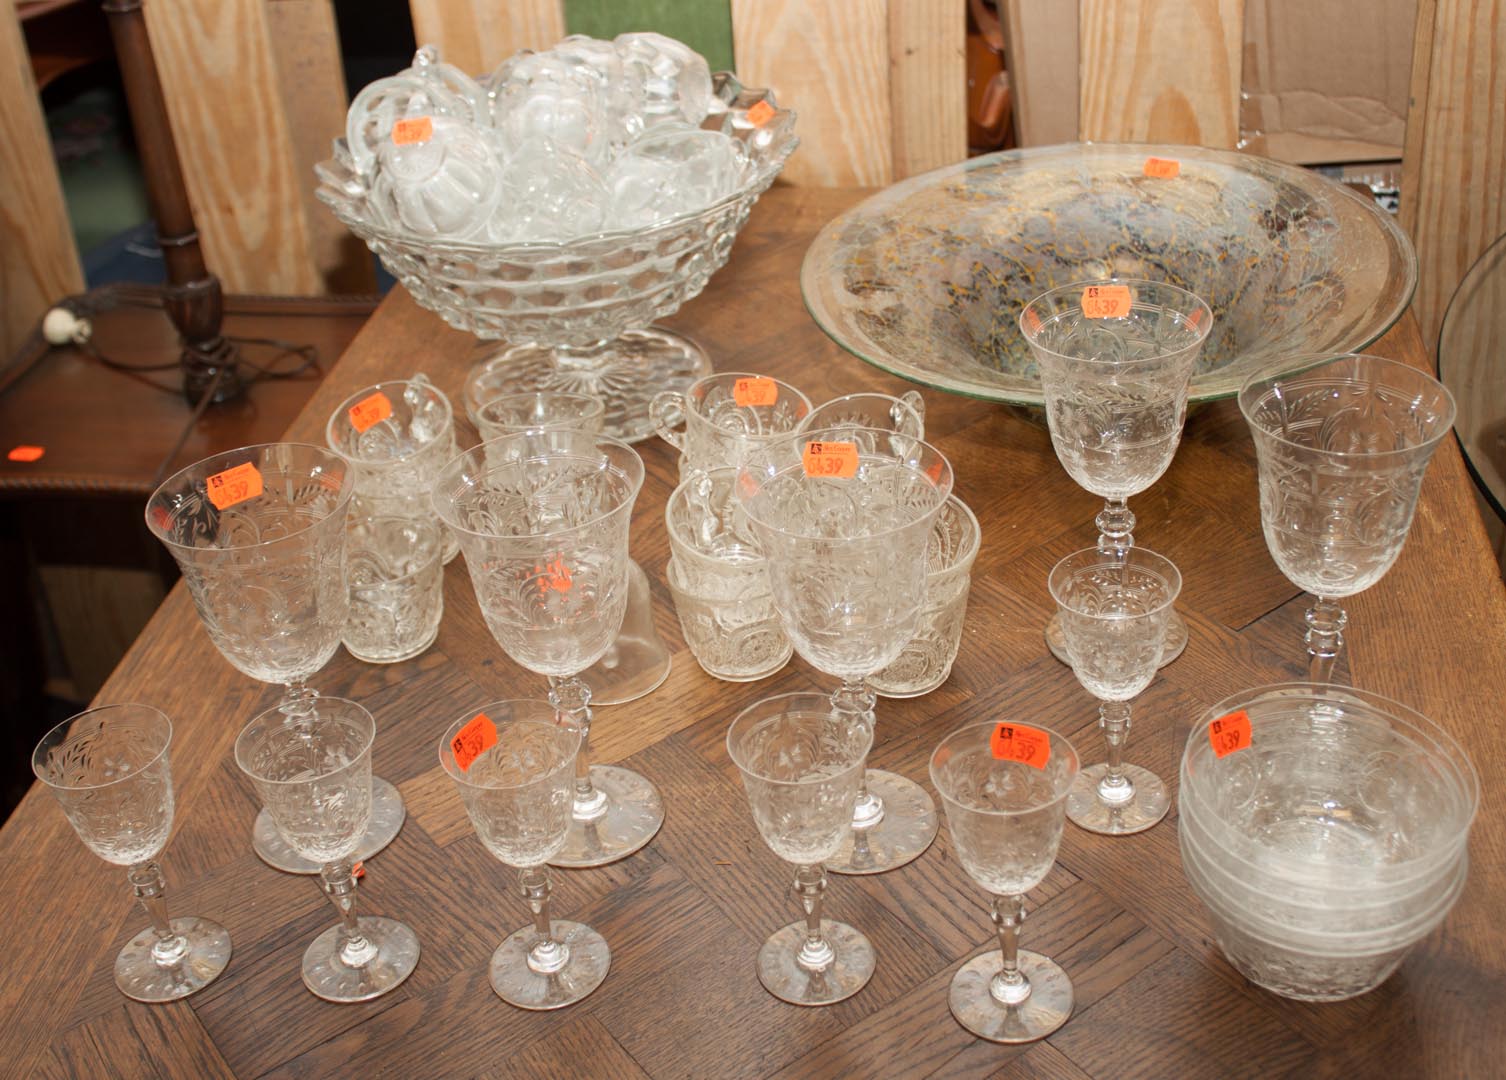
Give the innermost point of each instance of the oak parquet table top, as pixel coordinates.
(685, 916)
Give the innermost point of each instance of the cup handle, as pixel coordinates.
(667, 410)
(913, 399)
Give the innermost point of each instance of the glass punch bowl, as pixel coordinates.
(577, 313)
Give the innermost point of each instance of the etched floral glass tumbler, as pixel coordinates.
(843, 516)
(1342, 446)
(801, 762)
(542, 519)
(259, 534)
(513, 764)
(1115, 608)
(108, 770)
(314, 779)
(1004, 789)
(1116, 357)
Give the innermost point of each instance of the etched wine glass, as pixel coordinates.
(108, 769)
(260, 535)
(1004, 789)
(844, 516)
(801, 762)
(1116, 357)
(314, 779)
(542, 518)
(513, 763)
(1114, 608)
(1342, 444)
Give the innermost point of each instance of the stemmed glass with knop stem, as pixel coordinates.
(108, 770)
(1004, 789)
(259, 534)
(1114, 608)
(513, 763)
(542, 518)
(1342, 444)
(844, 516)
(801, 762)
(314, 778)
(1116, 357)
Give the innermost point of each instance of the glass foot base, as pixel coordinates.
(625, 373)
(1045, 1010)
(902, 834)
(634, 813)
(518, 984)
(397, 956)
(1146, 807)
(783, 976)
(387, 816)
(637, 663)
(143, 979)
(1176, 640)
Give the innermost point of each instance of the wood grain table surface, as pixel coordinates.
(686, 915)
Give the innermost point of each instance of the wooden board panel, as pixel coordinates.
(1040, 44)
(477, 35)
(830, 63)
(1160, 70)
(927, 84)
(38, 261)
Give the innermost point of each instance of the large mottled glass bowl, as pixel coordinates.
(578, 312)
(927, 278)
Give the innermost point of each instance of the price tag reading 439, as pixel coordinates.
(370, 410)
(474, 739)
(234, 486)
(1106, 301)
(1229, 733)
(833, 459)
(1016, 742)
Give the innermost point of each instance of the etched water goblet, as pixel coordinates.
(1004, 788)
(542, 518)
(1114, 608)
(844, 516)
(314, 779)
(513, 763)
(801, 762)
(1342, 444)
(260, 535)
(108, 769)
(1116, 357)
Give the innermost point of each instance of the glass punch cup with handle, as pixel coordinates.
(513, 763)
(108, 769)
(260, 535)
(1116, 357)
(314, 778)
(802, 763)
(1004, 789)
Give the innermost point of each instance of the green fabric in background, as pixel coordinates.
(704, 25)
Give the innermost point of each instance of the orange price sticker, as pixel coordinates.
(1032, 321)
(234, 486)
(1162, 168)
(1195, 319)
(420, 129)
(371, 409)
(833, 459)
(358, 870)
(755, 391)
(474, 739)
(1229, 733)
(1106, 301)
(760, 113)
(1016, 742)
(553, 576)
(26, 453)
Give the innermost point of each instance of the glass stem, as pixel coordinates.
(1325, 638)
(816, 953)
(353, 948)
(548, 954)
(855, 699)
(572, 698)
(1116, 524)
(1114, 717)
(170, 947)
(1009, 986)
(297, 699)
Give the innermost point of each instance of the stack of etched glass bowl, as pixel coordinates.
(1325, 829)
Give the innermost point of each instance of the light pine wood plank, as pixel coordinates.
(38, 261)
(477, 35)
(1160, 70)
(830, 63)
(927, 84)
(1040, 46)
